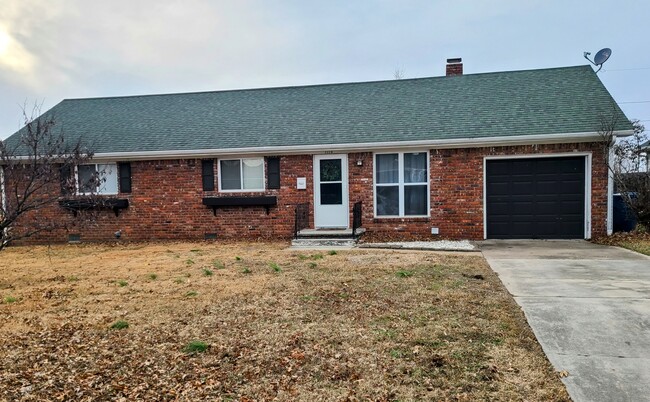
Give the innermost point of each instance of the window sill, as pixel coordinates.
(402, 219)
(241, 191)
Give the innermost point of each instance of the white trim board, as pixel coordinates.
(359, 147)
(588, 165)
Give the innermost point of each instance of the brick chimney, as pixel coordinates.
(454, 67)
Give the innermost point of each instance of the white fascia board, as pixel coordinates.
(358, 147)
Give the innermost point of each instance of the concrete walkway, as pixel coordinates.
(589, 307)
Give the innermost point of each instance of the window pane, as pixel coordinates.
(230, 175)
(387, 200)
(87, 179)
(331, 194)
(108, 179)
(415, 168)
(253, 174)
(330, 170)
(387, 168)
(415, 200)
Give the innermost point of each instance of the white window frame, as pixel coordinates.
(401, 184)
(241, 176)
(117, 178)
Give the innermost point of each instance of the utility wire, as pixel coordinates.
(627, 69)
(643, 101)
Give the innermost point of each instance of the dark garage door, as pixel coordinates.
(537, 198)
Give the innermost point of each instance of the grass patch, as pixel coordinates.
(153, 277)
(73, 278)
(246, 270)
(120, 324)
(122, 283)
(638, 241)
(218, 264)
(207, 272)
(318, 256)
(189, 261)
(312, 265)
(332, 252)
(404, 274)
(191, 293)
(10, 299)
(275, 267)
(179, 280)
(195, 347)
(238, 258)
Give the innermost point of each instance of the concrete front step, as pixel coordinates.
(325, 242)
(329, 233)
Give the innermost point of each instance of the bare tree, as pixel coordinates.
(627, 162)
(36, 170)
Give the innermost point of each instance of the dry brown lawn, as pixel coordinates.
(278, 324)
(635, 241)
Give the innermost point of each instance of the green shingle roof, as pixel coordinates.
(531, 102)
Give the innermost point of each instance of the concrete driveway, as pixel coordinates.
(589, 307)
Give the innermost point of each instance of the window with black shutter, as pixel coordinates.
(65, 175)
(208, 174)
(125, 177)
(273, 172)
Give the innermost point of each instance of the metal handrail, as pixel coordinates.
(302, 218)
(356, 217)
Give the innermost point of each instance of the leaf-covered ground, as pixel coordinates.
(635, 241)
(278, 325)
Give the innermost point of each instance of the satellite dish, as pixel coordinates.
(600, 58)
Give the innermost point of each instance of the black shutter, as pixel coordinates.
(273, 172)
(125, 177)
(207, 167)
(65, 175)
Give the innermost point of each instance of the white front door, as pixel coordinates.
(331, 191)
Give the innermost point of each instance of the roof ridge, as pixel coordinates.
(322, 85)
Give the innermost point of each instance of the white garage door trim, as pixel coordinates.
(588, 157)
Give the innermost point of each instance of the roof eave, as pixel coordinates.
(362, 147)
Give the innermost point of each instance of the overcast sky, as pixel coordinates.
(56, 49)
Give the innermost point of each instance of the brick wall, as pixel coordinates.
(165, 202)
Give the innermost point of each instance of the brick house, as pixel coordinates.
(495, 155)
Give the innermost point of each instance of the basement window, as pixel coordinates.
(246, 174)
(99, 178)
